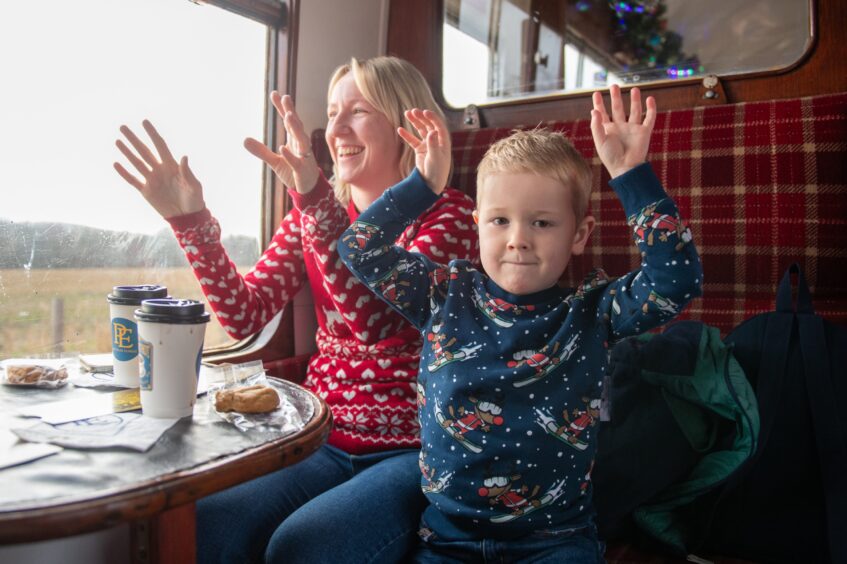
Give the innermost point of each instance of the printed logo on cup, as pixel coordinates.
(124, 338)
(145, 375)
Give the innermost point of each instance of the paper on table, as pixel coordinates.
(130, 430)
(56, 412)
(14, 452)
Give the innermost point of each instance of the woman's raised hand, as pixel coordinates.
(293, 164)
(170, 187)
(431, 146)
(622, 143)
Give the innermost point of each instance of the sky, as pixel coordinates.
(72, 72)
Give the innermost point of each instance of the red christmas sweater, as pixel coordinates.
(367, 359)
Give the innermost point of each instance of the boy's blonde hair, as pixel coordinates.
(544, 152)
(392, 86)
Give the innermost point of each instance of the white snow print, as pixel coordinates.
(290, 238)
(331, 278)
(239, 317)
(355, 363)
(222, 284)
(450, 239)
(570, 347)
(289, 266)
(231, 275)
(397, 392)
(196, 264)
(323, 258)
(222, 314)
(230, 301)
(350, 316)
(281, 251)
(212, 298)
(333, 245)
(363, 336)
(340, 298)
(221, 261)
(384, 332)
(350, 282)
(247, 330)
(349, 394)
(383, 363)
(191, 249)
(338, 263)
(362, 300)
(381, 398)
(368, 374)
(268, 290)
(435, 251)
(367, 388)
(279, 278)
(206, 281)
(374, 319)
(271, 263)
(425, 239)
(462, 226)
(260, 275)
(332, 385)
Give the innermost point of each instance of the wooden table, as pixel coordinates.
(79, 491)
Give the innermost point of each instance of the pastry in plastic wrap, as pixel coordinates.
(34, 374)
(253, 399)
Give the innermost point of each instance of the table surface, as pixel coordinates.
(77, 491)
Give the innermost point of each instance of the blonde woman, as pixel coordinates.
(357, 499)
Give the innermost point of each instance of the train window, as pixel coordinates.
(504, 49)
(70, 227)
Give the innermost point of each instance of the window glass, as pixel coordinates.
(70, 227)
(502, 49)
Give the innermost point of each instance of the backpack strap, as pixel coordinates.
(831, 446)
(783, 293)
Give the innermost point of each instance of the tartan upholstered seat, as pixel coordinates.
(761, 184)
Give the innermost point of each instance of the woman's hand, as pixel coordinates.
(431, 146)
(622, 144)
(170, 187)
(294, 164)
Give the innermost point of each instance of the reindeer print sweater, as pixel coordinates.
(509, 385)
(368, 355)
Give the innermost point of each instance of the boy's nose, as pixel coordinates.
(518, 239)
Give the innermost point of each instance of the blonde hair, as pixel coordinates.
(392, 86)
(539, 151)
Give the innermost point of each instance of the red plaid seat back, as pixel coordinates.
(762, 185)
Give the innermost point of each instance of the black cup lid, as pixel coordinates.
(133, 295)
(172, 310)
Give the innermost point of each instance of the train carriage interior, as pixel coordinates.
(750, 140)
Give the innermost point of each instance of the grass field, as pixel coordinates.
(26, 299)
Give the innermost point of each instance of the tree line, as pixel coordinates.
(64, 245)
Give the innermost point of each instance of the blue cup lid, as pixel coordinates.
(134, 295)
(172, 310)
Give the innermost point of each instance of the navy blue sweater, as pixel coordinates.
(509, 385)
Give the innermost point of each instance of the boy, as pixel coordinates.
(512, 366)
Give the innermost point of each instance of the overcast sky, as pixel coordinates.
(72, 72)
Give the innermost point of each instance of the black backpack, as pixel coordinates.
(790, 502)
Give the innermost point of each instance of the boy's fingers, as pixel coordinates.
(650, 118)
(158, 142)
(130, 156)
(600, 107)
(635, 106)
(616, 104)
(408, 137)
(128, 177)
(598, 132)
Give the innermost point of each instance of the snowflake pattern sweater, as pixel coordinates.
(367, 356)
(509, 386)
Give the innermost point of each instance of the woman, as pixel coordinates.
(358, 498)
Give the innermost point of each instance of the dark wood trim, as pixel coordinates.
(106, 509)
(268, 12)
(415, 35)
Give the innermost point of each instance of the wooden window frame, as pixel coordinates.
(415, 34)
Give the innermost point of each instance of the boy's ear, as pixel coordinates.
(583, 230)
(475, 215)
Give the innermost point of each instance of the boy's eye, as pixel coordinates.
(541, 223)
(500, 221)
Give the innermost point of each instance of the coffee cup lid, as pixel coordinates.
(172, 310)
(133, 295)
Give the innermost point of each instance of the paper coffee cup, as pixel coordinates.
(170, 343)
(123, 301)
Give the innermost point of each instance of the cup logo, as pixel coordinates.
(145, 365)
(124, 338)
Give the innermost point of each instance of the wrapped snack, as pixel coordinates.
(251, 399)
(41, 373)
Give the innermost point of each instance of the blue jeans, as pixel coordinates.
(331, 507)
(564, 546)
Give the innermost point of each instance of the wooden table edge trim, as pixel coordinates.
(87, 514)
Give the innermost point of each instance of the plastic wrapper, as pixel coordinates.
(34, 372)
(284, 419)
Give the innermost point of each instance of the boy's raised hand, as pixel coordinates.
(431, 146)
(622, 143)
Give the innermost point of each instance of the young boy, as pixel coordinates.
(512, 366)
